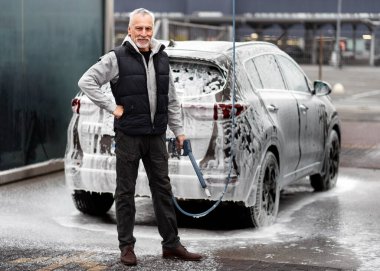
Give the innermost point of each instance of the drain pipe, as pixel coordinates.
(109, 25)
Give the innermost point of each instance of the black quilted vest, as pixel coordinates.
(131, 92)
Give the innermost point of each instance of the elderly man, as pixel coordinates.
(146, 102)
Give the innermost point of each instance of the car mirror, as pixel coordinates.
(321, 88)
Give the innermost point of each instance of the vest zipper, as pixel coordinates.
(147, 80)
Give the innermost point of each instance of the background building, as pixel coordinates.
(242, 6)
(306, 29)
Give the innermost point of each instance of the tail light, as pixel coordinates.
(212, 111)
(75, 105)
(223, 111)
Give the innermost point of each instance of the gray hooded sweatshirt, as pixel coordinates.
(106, 70)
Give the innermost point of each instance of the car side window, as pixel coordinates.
(252, 72)
(269, 72)
(294, 78)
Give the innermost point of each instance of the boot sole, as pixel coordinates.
(172, 257)
(128, 264)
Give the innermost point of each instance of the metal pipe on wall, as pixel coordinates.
(109, 25)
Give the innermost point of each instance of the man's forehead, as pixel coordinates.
(142, 19)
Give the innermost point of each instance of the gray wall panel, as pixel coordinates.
(45, 47)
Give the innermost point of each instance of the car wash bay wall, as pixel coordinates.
(45, 46)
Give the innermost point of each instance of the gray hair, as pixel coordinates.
(141, 11)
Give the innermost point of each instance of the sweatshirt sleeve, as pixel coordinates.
(102, 72)
(174, 110)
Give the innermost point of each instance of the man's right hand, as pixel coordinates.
(118, 111)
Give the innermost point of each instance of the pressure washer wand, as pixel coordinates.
(188, 152)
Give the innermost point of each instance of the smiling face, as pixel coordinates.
(141, 31)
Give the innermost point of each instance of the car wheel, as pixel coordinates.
(327, 179)
(265, 210)
(92, 203)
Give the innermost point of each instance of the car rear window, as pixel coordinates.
(195, 79)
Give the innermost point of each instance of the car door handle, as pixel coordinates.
(272, 108)
(303, 107)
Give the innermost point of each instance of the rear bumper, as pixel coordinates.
(185, 184)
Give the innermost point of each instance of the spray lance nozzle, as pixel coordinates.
(187, 151)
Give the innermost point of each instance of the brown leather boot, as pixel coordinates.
(128, 256)
(180, 253)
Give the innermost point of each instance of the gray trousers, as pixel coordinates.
(151, 149)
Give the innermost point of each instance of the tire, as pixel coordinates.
(92, 203)
(329, 175)
(265, 210)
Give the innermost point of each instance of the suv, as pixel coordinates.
(286, 128)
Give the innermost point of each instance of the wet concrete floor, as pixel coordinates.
(40, 229)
